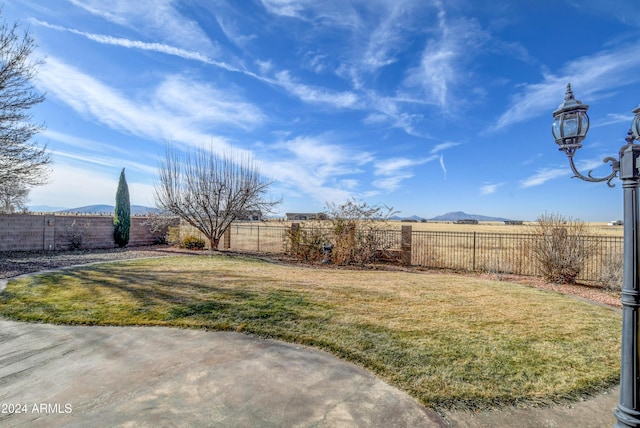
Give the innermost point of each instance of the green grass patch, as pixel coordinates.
(449, 341)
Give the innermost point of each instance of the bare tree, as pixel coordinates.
(209, 191)
(13, 198)
(22, 161)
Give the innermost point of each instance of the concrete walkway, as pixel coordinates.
(153, 376)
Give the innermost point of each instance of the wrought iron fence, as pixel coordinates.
(255, 237)
(467, 251)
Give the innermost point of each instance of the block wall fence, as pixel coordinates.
(32, 232)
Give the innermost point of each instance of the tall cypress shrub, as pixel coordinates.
(122, 217)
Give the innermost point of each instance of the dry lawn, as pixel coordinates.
(449, 341)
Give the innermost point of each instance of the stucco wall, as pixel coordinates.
(29, 232)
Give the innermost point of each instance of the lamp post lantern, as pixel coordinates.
(570, 127)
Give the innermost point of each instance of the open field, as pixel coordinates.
(449, 341)
(499, 227)
(596, 228)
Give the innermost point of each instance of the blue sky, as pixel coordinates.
(427, 106)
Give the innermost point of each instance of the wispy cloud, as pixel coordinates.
(283, 79)
(314, 94)
(90, 186)
(390, 184)
(198, 102)
(444, 146)
(146, 46)
(106, 161)
(544, 175)
(375, 42)
(325, 159)
(394, 171)
(154, 118)
(590, 75)
(612, 119)
(340, 14)
(489, 188)
(387, 37)
(157, 19)
(441, 65)
(443, 166)
(315, 166)
(182, 110)
(290, 8)
(392, 166)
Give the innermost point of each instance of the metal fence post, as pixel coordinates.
(474, 250)
(227, 238)
(405, 246)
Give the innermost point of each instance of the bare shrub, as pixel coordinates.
(75, 234)
(353, 228)
(612, 272)
(560, 249)
(306, 242)
(166, 228)
(356, 228)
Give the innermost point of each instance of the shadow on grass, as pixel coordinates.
(127, 294)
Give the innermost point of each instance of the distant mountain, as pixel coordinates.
(459, 215)
(412, 218)
(44, 209)
(109, 209)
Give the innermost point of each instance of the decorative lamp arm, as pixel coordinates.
(615, 165)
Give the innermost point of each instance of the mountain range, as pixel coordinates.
(452, 216)
(459, 215)
(96, 209)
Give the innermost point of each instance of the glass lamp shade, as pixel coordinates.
(570, 124)
(635, 125)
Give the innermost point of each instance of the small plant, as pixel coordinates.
(193, 243)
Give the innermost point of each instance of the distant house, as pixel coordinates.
(305, 216)
(253, 215)
(514, 222)
(466, 221)
(615, 223)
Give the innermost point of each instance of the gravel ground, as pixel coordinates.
(18, 263)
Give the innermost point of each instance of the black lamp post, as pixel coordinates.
(570, 127)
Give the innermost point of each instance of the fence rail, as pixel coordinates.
(466, 251)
